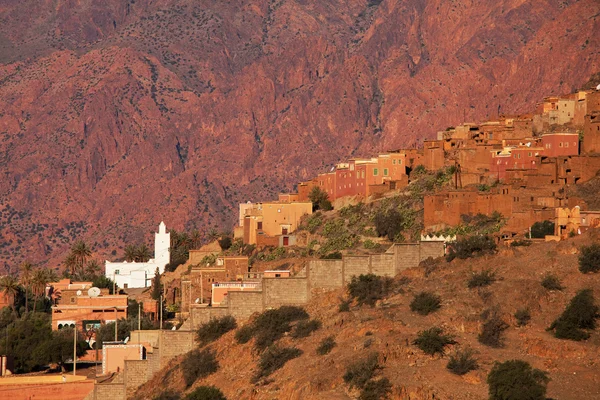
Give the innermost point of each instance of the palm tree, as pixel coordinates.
(81, 251)
(196, 239)
(38, 284)
(92, 268)
(71, 263)
(26, 272)
(213, 234)
(130, 252)
(9, 285)
(142, 253)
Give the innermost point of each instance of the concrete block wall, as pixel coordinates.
(201, 315)
(407, 256)
(136, 374)
(175, 343)
(383, 264)
(431, 249)
(112, 391)
(243, 304)
(326, 274)
(355, 266)
(288, 291)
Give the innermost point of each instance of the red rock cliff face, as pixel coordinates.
(115, 115)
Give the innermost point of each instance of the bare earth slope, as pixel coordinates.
(390, 327)
(117, 114)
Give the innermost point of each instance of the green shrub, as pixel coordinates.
(462, 361)
(336, 255)
(425, 303)
(273, 358)
(515, 379)
(359, 373)
(589, 258)
(314, 222)
(472, 246)
(167, 395)
(326, 345)
(305, 328)
(371, 245)
(551, 282)
(484, 278)
(206, 393)
(320, 199)
(244, 334)
(389, 223)
(433, 341)
(492, 330)
(214, 329)
(198, 364)
(270, 326)
(523, 316)
(539, 230)
(344, 306)
(367, 289)
(519, 243)
(376, 390)
(580, 315)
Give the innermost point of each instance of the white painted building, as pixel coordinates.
(140, 274)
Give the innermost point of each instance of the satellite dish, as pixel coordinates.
(598, 87)
(126, 340)
(79, 293)
(197, 300)
(94, 292)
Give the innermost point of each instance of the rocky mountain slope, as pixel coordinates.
(390, 327)
(117, 114)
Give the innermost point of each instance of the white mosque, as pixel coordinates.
(140, 274)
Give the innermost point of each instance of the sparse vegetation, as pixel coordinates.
(521, 243)
(523, 316)
(206, 393)
(433, 340)
(359, 373)
(326, 345)
(367, 289)
(270, 326)
(244, 334)
(462, 361)
(214, 329)
(304, 328)
(515, 379)
(589, 258)
(167, 395)
(344, 306)
(551, 282)
(481, 279)
(376, 389)
(472, 246)
(425, 303)
(579, 316)
(198, 364)
(492, 330)
(273, 358)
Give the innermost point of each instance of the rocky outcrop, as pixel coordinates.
(117, 114)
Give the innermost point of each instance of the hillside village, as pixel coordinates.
(523, 182)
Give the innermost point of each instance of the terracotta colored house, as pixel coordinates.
(88, 313)
(272, 219)
(226, 269)
(560, 144)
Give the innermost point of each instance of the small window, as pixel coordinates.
(566, 144)
(375, 172)
(394, 162)
(529, 154)
(385, 172)
(259, 225)
(117, 272)
(560, 144)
